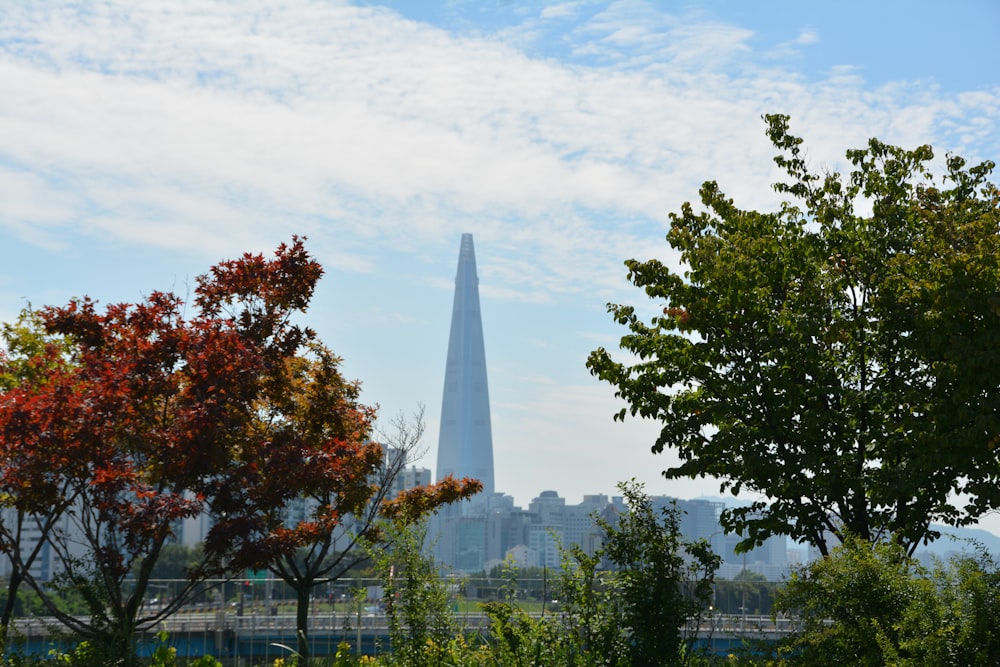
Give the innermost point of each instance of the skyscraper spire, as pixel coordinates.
(465, 442)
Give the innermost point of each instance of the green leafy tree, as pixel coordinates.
(848, 605)
(663, 581)
(748, 592)
(592, 607)
(872, 605)
(837, 355)
(970, 596)
(628, 604)
(416, 597)
(421, 624)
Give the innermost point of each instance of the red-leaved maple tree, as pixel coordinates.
(144, 417)
(154, 418)
(34, 458)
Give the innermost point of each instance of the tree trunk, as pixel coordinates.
(121, 633)
(8, 609)
(302, 621)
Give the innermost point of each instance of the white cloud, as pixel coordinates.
(561, 10)
(807, 36)
(26, 196)
(382, 316)
(195, 124)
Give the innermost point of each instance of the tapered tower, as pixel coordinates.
(465, 442)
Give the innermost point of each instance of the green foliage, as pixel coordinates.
(836, 355)
(415, 597)
(849, 603)
(92, 654)
(748, 591)
(203, 661)
(89, 654)
(27, 350)
(592, 607)
(520, 640)
(970, 594)
(27, 602)
(164, 655)
(870, 604)
(579, 634)
(18, 660)
(630, 616)
(662, 581)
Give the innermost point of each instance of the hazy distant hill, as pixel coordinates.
(953, 540)
(961, 539)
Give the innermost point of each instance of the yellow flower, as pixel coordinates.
(343, 650)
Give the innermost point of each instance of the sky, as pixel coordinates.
(142, 142)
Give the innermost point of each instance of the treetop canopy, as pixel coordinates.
(839, 356)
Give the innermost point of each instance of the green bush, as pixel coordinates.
(871, 605)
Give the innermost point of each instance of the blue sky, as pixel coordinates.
(142, 142)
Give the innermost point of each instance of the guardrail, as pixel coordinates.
(253, 623)
(263, 636)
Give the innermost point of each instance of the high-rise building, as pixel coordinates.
(465, 443)
(476, 535)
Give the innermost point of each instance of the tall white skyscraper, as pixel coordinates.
(465, 442)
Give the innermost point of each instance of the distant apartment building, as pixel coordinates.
(409, 478)
(192, 531)
(45, 564)
(477, 536)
